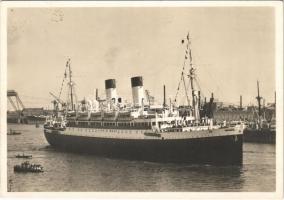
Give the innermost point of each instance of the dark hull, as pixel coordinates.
(212, 150)
(259, 136)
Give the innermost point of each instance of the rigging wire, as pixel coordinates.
(182, 75)
(181, 78)
(65, 76)
(185, 88)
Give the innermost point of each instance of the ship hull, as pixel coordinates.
(220, 150)
(259, 136)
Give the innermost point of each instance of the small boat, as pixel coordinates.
(28, 167)
(13, 132)
(23, 156)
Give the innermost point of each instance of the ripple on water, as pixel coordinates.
(77, 172)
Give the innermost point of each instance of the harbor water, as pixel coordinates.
(77, 172)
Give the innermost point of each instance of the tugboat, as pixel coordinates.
(260, 130)
(23, 156)
(13, 132)
(143, 132)
(27, 167)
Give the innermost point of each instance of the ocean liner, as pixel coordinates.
(142, 131)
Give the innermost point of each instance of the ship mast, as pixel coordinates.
(70, 84)
(258, 100)
(191, 76)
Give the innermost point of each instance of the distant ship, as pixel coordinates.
(141, 131)
(261, 130)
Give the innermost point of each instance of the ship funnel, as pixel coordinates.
(137, 90)
(110, 86)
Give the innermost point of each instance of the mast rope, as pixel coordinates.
(182, 75)
(65, 76)
(185, 89)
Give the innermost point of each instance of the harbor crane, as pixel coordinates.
(57, 101)
(17, 104)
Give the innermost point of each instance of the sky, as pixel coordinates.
(232, 48)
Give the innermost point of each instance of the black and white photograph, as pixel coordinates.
(129, 97)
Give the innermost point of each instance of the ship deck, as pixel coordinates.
(140, 134)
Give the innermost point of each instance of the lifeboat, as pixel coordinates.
(83, 116)
(111, 116)
(96, 116)
(125, 116)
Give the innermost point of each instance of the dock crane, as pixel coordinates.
(16, 103)
(57, 101)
